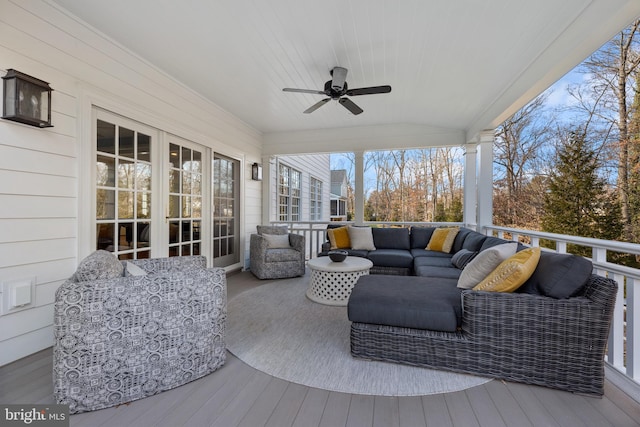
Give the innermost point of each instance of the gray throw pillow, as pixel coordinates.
(99, 265)
(277, 241)
(361, 238)
(558, 275)
(463, 257)
(484, 263)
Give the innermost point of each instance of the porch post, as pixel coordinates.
(485, 180)
(268, 172)
(359, 188)
(470, 185)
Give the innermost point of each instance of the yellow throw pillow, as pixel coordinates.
(511, 273)
(442, 239)
(339, 238)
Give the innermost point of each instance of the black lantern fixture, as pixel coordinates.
(256, 172)
(26, 99)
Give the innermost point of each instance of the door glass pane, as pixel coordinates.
(106, 137)
(144, 147)
(123, 190)
(185, 199)
(126, 145)
(225, 197)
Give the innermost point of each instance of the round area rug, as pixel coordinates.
(276, 329)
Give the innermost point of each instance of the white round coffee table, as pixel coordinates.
(332, 282)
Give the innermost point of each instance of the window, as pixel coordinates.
(289, 189)
(315, 196)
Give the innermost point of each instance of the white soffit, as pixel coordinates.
(458, 65)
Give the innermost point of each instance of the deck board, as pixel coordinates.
(239, 395)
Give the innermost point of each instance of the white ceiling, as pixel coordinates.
(464, 64)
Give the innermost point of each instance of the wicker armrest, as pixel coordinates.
(500, 317)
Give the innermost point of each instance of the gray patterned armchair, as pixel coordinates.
(276, 254)
(127, 330)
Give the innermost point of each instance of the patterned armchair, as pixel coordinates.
(276, 254)
(127, 330)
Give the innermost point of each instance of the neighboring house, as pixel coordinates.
(339, 195)
(299, 188)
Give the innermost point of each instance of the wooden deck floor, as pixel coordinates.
(238, 395)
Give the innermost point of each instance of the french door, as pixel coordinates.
(186, 202)
(226, 211)
(159, 195)
(125, 176)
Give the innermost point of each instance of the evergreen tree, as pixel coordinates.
(634, 166)
(577, 202)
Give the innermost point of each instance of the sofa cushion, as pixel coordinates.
(361, 238)
(460, 238)
(431, 261)
(99, 265)
(418, 253)
(281, 255)
(276, 240)
(463, 257)
(410, 302)
(473, 241)
(490, 242)
(437, 272)
(391, 238)
(442, 239)
(483, 264)
(558, 275)
(420, 237)
(391, 258)
(511, 273)
(435, 267)
(339, 238)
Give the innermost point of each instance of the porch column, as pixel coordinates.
(485, 180)
(470, 206)
(268, 172)
(359, 188)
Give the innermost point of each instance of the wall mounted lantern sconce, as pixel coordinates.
(26, 99)
(256, 172)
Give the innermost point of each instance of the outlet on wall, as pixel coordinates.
(17, 295)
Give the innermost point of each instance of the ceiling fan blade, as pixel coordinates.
(311, 91)
(338, 77)
(350, 105)
(369, 90)
(317, 105)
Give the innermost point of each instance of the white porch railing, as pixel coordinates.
(623, 352)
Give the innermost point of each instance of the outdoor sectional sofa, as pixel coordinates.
(552, 331)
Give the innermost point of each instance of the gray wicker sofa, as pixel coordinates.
(551, 332)
(401, 251)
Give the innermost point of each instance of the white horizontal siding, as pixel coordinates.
(43, 216)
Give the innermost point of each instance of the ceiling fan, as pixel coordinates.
(337, 88)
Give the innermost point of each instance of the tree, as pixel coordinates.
(577, 202)
(634, 166)
(611, 69)
(518, 144)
